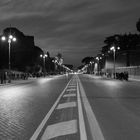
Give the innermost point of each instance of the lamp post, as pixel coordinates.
(113, 48)
(98, 62)
(10, 39)
(43, 56)
(91, 67)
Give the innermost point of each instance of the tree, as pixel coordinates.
(138, 25)
(59, 58)
(87, 60)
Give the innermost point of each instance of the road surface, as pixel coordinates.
(77, 107)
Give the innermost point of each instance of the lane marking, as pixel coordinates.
(93, 123)
(83, 135)
(73, 86)
(70, 95)
(60, 129)
(71, 89)
(66, 105)
(42, 124)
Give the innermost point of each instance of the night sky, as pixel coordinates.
(75, 28)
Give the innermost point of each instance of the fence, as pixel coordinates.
(133, 71)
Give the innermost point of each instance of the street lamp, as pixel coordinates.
(10, 39)
(113, 48)
(91, 67)
(98, 58)
(43, 56)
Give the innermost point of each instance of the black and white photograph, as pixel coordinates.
(69, 69)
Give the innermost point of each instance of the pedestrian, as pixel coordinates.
(4, 77)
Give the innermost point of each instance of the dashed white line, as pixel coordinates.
(72, 89)
(40, 127)
(66, 105)
(72, 86)
(70, 95)
(60, 129)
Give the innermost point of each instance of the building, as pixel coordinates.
(24, 53)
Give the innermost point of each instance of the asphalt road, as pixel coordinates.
(73, 107)
(116, 105)
(24, 105)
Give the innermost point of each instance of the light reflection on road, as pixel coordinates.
(23, 106)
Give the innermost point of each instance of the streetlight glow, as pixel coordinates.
(14, 39)
(118, 48)
(97, 58)
(112, 48)
(43, 56)
(3, 38)
(10, 37)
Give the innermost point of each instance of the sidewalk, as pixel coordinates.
(17, 81)
(103, 77)
(27, 80)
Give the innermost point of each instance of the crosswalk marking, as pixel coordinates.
(60, 129)
(70, 95)
(66, 105)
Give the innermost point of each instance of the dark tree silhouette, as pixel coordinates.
(138, 25)
(87, 60)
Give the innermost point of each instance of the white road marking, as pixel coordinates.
(70, 95)
(93, 123)
(72, 89)
(72, 86)
(66, 105)
(60, 129)
(83, 135)
(40, 127)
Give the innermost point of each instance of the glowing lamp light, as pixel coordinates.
(10, 36)
(97, 58)
(118, 48)
(112, 48)
(14, 39)
(3, 38)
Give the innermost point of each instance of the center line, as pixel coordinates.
(66, 105)
(70, 95)
(60, 129)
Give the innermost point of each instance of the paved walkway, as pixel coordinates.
(27, 80)
(18, 81)
(97, 77)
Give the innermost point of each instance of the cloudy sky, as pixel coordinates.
(75, 28)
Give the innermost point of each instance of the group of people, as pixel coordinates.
(122, 76)
(5, 76)
(119, 76)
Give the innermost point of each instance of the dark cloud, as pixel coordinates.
(74, 28)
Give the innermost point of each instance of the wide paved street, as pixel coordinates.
(77, 107)
(116, 105)
(24, 105)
